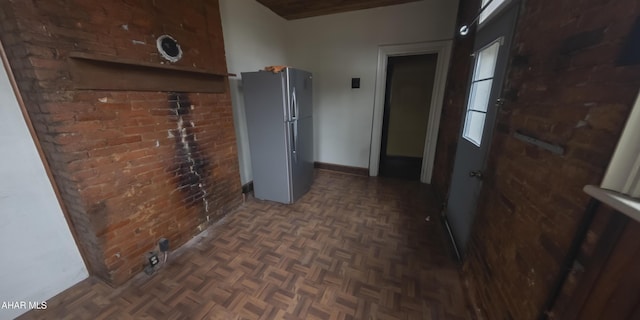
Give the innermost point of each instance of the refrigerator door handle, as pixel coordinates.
(293, 131)
(294, 105)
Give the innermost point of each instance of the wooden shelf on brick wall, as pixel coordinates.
(99, 72)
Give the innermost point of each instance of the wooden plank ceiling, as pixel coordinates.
(297, 9)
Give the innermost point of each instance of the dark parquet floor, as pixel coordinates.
(352, 248)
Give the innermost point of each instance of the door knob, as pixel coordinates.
(476, 174)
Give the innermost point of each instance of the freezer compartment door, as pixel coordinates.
(304, 93)
(268, 93)
(299, 87)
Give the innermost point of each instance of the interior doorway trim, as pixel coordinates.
(443, 50)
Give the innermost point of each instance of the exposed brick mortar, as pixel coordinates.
(108, 150)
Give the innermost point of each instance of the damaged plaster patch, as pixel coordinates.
(103, 99)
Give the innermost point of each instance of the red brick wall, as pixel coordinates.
(587, 258)
(118, 157)
(565, 87)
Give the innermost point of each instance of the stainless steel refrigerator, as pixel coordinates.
(280, 124)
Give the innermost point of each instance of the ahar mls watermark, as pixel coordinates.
(23, 305)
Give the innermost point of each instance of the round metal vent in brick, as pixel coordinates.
(169, 48)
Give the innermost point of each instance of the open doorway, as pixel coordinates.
(442, 49)
(408, 94)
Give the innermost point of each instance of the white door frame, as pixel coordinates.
(443, 50)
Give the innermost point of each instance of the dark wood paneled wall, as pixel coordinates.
(297, 9)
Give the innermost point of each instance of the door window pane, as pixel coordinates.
(490, 9)
(486, 62)
(474, 126)
(480, 93)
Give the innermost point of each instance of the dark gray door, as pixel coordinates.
(491, 52)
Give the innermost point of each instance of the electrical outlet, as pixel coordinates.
(153, 259)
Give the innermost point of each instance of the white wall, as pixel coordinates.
(335, 48)
(254, 37)
(38, 256)
(341, 46)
